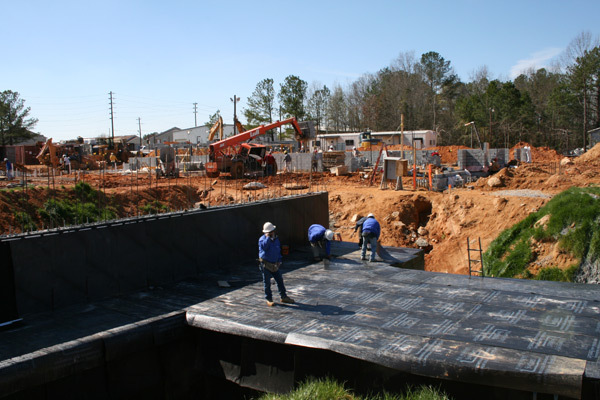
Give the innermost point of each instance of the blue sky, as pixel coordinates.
(160, 57)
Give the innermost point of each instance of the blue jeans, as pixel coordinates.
(267, 275)
(372, 239)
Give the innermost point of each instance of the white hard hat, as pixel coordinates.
(370, 215)
(329, 234)
(268, 227)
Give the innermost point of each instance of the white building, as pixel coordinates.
(342, 141)
(199, 134)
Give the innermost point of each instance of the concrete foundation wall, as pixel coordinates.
(476, 159)
(70, 266)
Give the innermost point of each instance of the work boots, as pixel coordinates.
(287, 300)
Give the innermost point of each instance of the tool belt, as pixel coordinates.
(272, 267)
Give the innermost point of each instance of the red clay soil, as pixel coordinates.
(445, 220)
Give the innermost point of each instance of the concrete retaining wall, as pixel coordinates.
(55, 269)
(476, 159)
(301, 162)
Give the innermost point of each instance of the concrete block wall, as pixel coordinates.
(476, 159)
(441, 181)
(51, 270)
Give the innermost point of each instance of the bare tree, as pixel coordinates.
(578, 47)
(337, 110)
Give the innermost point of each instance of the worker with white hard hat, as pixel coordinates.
(370, 233)
(269, 255)
(320, 238)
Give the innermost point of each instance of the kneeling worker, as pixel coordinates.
(269, 254)
(370, 233)
(320, 238)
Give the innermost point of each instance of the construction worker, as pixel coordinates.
(370, 233)
(358, 227)
(494, 166)
(9, 169)
(113, 160)
(269, 255)
(67, 163)
(314, 160)
(270, 163)
(288, 161)
(320, 238)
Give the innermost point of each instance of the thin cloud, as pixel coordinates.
(536, 61)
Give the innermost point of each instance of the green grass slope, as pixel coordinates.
(573, 221)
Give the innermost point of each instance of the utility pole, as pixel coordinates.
(235, 100)
(112, 122)
(140, 127)
(195, 114)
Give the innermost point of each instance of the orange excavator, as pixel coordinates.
(47, 154)
(217, 127)
(237, 156)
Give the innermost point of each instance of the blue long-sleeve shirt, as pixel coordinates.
(269, 249)
(316, 233)
(371, 226)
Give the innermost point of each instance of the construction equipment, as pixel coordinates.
(366, 140)
(240, 128)
(47, 154)
(50, 155)
(473, 126)
(166, 164)
(236, 156)
(218, 126)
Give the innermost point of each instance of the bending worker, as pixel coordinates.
(269, 254)
(358, 227)
(320, 238)
(370, 233)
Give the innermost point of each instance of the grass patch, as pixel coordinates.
(329, 389)
(556, 274)
(25, 221)
(82, 209)
(155, 207)
(574, 222)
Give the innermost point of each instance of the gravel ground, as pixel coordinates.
(522, 193)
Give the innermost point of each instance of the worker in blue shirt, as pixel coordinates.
(9, 169)
(269, 254)
(320, 238)
(370, 233)
(358, 227)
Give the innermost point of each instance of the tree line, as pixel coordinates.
(552, 107)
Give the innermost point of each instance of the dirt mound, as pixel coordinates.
(592, 155)
(449, 154)
(538, 154)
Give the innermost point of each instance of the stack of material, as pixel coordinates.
(339, 170)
